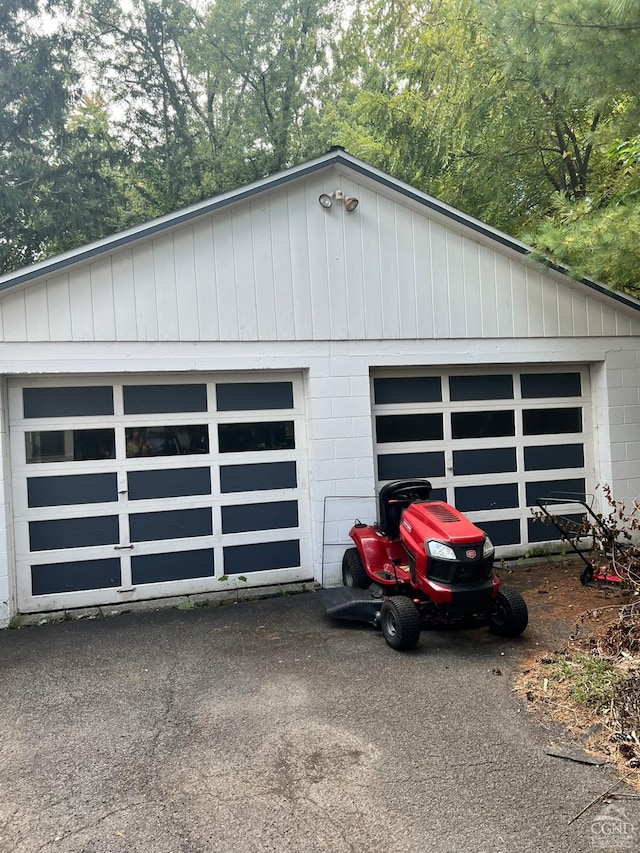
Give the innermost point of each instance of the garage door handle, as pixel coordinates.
(122, 547)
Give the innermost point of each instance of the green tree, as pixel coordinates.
(59, 179)
(497, 106)
(208, 98)
(36, 83)
(600, 237)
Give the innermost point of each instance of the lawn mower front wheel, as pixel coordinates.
(400, 622)
(509, 616)
(353, 571)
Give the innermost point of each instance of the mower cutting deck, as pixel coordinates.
(422, 562)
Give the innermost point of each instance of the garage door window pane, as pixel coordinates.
(391, 428)
(272, 516)
(490, 461)
(241, 438)
(73, 489)
(166, 440)
(551, 421)
(240, 559)
(258, 477)
(168, 483)
(539, 531)
(503, 532)
(555, 489)
(141, 399)
(67, 402)
(249, 396)
(553, 456)
(170, 524)
(396, 466)
(410, 389)
(70, 577)
(481, 387)
(550, 385)
(482, 424)
(472, 498)
(175, 566)
(73, 532)
(69, 445)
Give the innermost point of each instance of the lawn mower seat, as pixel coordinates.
(396, 497)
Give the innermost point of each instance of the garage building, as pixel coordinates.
(206, 402)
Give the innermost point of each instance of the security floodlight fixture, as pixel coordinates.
(326, 200)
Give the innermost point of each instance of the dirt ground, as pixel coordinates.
(556, 599)
(565, 618)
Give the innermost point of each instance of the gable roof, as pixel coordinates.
(334, 157)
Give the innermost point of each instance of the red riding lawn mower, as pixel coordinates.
(423, 563)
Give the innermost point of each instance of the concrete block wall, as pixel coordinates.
(6, 581)
(618, 420)
(340, 457)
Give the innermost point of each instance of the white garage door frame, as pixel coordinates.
(524, 444)
(236, 504)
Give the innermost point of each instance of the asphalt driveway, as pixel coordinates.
(262, 726)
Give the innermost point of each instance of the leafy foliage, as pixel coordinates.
(524, 113)
(51, 141)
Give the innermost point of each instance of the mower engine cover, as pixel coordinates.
(445, 546)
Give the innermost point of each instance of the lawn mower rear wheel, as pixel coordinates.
(509, 616)
(353, 572)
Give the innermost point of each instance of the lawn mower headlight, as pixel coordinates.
(439, 550)
(487, 548)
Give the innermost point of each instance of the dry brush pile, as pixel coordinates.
(600, 667)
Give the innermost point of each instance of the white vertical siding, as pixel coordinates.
(143, 297)
(300, 277)
(164, 273)
(534, 303)
(335, 251)
(225, 280)
(280, 267)
(457, 285)
(266, 299)
(82, 327)
(440, 278)
(425, 312)
(371, 265)
(565, 319)
(504, 301)
(124, 297)
(519, 300)
(247, 278)
(36, 314)
(579, 314)
(406, 271)
(186, 284)
(489, 297)
(104, 317)
(206, 287)
(57, 307)
(472, 305)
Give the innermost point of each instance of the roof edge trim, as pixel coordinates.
(160, 224)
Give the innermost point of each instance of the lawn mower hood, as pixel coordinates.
(436, 533)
